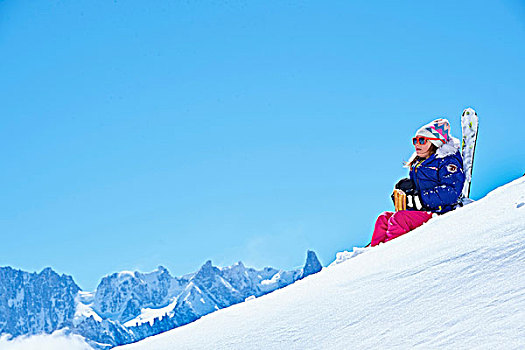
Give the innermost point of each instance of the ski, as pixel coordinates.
(469, 128)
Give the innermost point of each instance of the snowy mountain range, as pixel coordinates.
(130, 306)
(456, 282)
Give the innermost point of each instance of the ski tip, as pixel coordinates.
(469, 111)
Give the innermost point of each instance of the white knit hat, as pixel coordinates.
(438, 129)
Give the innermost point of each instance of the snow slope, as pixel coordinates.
(457, 282)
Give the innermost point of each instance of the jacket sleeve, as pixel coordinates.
(451, 180)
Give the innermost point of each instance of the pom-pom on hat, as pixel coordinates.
(439, 128)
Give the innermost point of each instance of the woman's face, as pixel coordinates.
(423, 151)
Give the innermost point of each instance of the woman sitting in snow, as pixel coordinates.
(435, 183)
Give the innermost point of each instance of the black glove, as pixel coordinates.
(413, 201)
(406, 185)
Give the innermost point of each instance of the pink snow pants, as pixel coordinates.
(390, 225)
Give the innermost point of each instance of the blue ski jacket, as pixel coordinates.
(439, 179)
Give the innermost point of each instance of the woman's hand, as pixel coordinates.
(400, 200)
(406, 201)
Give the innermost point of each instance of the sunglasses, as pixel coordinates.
(422, 140)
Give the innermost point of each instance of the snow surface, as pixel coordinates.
(457, 282)
(83, 309)
(149, 315)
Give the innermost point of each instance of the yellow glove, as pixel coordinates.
(400, 200)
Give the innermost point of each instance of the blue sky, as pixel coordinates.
(136, 134)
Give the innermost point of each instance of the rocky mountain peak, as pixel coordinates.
(162, 270)
(48, 271)
(312, 264)
(207, 271)
(45, 301)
